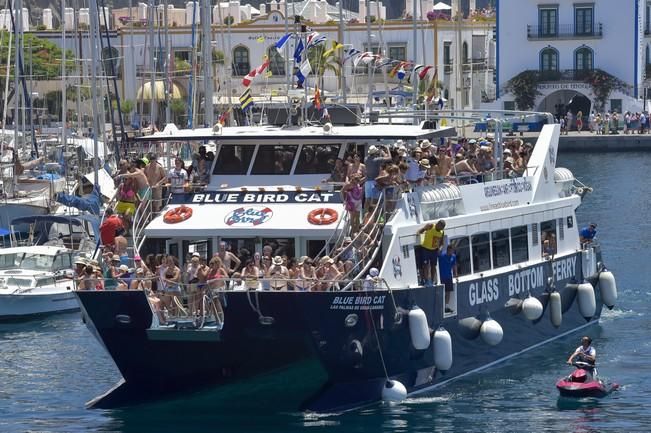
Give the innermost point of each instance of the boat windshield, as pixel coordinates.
(36, 262)
(17, 282)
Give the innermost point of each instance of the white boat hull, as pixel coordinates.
(25, 305)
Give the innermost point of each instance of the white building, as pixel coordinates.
(565, 42)
(5, 19)
(47, 19)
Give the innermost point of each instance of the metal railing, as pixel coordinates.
(565, 31)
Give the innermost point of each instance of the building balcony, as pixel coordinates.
(564, 31)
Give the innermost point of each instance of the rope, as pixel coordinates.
(377, 338)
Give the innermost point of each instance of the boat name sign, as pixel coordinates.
(257, 197)
(492, 289)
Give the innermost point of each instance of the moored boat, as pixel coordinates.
(523, 276)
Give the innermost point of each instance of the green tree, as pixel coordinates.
(323, 60)
(178, 108)
(44, 58)
(127, 106)
(524, 87)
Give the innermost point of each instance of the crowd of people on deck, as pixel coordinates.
(361, 179)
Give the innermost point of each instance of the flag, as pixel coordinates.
(363, 57)
(335, 46)
(431, 90)
(380, 62)
(317, 98)
(325, 114)
(350, 53)
(314, 39)
(268, 74)
(224, 116)
(399, 67)
(298, 52)
(246, 100)
(303, 71)
(259, 39)
(280, 45)
(246, 81)
(424, 72)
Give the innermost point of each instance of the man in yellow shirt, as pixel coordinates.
(432, 238)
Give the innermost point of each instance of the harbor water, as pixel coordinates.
(51, 367)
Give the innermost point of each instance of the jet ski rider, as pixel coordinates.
(585, 352)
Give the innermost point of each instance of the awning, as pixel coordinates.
(246, 220)
(144, 92)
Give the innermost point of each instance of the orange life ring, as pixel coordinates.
(322, 216)
(177, 214)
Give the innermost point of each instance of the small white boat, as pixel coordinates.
(36, 280)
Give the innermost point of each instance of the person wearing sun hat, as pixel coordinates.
(278, 274)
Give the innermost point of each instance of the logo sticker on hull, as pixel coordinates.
(248, 217)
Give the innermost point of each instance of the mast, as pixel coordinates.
(113, 80)
(206, 47)
(152, 64)
(369, 98)
(414, 78)
(94, 24)
(64, 95)
(168, 63)
(193, 60)
(340, 36)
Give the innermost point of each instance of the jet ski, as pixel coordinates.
(584, 383)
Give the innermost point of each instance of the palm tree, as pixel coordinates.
(321, 63)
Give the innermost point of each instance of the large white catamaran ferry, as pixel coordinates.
(393, 337)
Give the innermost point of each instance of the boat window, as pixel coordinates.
(280, 247)
(23, 283)
(481, 252)
(7, 261)
(42, 282)
(317, 158)
(36, 262)
(501, 249)
(548, 238)
(243, 248)
(61, 261)
(234, 159)
(519, 244)
(461, 247)
(276, 159)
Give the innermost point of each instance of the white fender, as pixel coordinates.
(532, 308)
(555, 309)
(418, 329)
(442, 349)
(608, 288)
(587, 302)
(491, 332)
(393, 391)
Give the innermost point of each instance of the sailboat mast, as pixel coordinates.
(64, 96)
(152, 64)
(207, 63)
(168, 63)
(94, 24)
(340, 37)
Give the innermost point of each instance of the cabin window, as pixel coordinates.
(548, 238)
(276, 159)
(481, 252)
(317, 158)
(243, 248)
(461, 247)
(42, 282)
(234, 159)
(519, 244)
(501, 248)
(201, 247)
(61, 261)
(280, 247)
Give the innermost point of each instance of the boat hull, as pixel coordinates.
(25, 306)
(353, 336)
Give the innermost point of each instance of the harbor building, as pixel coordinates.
(574, 53)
